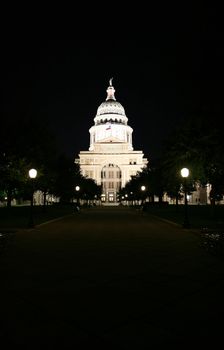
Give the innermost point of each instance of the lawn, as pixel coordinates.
(199, 215)
(18, 217)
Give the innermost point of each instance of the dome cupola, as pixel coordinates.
(110, 110)
(111, 123)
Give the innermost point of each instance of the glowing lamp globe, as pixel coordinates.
(184, 172)
(32, 173)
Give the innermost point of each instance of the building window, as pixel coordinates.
(118, 186)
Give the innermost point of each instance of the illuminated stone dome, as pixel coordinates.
(110, 107)
(110, 110)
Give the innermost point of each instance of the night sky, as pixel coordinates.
(169, 70)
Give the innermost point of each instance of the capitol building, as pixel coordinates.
(111, 159)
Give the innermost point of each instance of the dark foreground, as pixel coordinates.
(110, 278)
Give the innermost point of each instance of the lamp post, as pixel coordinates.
(185, 173)
(126, 198)
(143, 188)
(77, 188)
(32, 175)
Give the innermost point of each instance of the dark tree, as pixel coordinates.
(198, 145)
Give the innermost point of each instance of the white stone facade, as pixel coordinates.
(111, 160)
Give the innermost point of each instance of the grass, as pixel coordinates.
(199, 216)
(18, 217)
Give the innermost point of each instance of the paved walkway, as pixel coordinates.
(110, 278)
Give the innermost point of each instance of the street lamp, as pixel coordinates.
(132, 199)
(77, 188)
(143, 188)
(185, 173)
(32, 176)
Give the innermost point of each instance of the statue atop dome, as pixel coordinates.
(110, 91)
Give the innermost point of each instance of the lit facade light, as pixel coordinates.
(143, 188)
(77, 188)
